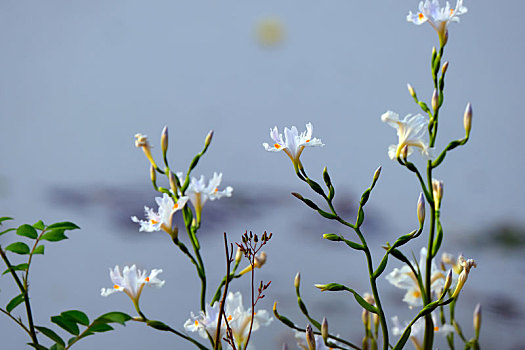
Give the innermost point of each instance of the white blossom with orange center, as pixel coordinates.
(404, 278)
(293, 142)
(161, 219)
(439, 17)
(131, 281)
(417, 333)
(238, 319)
(411, 131)
(199, 193)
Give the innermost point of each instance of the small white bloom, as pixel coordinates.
(293, 142)
(404, 278)
(162, 219)
(418, 330)
(411, 131)
(131, 281)
(199, 193)
(238, 318)
(438, 17)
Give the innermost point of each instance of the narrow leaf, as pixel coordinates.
(66, 324)
(381, 266)
(19, 299)
(364, 303)
(18, 248)
(27, 231)
(8, 230)
(354, 245)
(117, 317)
(54, 235)
(37, 346)
(404, 338)
(39, 225)
(20, 267)
(100, 327)
(4, 218)
(66, 225)
(77, 316)
(39, 250)
(50, 334)
(57, 347)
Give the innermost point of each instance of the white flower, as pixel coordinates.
(417, 332)
(293, 142)
(411, 132)
(131, 281)
(238, 319)
(300, 337)
(404, 278)
(199, 193)
(438, 17)
(162, 219)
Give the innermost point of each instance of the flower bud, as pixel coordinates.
(376, 174)
(164, 140)
(467, 119)
(153, 174)
(310, 338)
(297, 281)
(411, 91)
(421, 209)
(444, 68)
(435, 100)
(437, 192)
(260, 260)
(208, 138)
(324, 329)
(238, 255)
(448, 281)
(173, 182)
(477, 320)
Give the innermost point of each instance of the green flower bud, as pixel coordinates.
(467, 119)
(435, 100)
(164, 140)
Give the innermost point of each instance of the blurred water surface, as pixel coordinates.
(79, 79)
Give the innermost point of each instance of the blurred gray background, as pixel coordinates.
(80, 78)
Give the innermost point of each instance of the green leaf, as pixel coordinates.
(364, 303)
(77, 316)
(360, 217)
(27, 231)
(57, 347)
(39, 250)
(354, 245)
(18, 248)
(100, 327)
(404, 338)
(50, 334)
(15, 302)
(9, 229)
(438, 240)
(4, 218)
(66, 225)
(365, 197)
(117, 317)
(54, 235)
(37, 346)
(39, 225)
(381, 266)
(158, 325)
(66, 324)
(327, 214)
(20, 267)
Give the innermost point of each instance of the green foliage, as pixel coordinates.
(18, 248)
(19, 299)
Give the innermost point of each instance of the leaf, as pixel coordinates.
(37, 346)
(9, 229)
(20, 267)
(39, 225)
(4, 218)
(381, 266)
(54, 235)
(66, 324)
(117, 317)
(50, 334)
(27, 231)
(77, 316)
(15, 302)
(65, 225)
(57, 347)
(404, 338)
(100, 327)
(39, 250)
(18, 248)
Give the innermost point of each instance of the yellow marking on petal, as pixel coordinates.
(116, 286)
(416, 294)
(176, 206)
(196, 323)
(451, 12)
(436, 329)
(420, 16)
(277, 145)
(230, 318)
(154, 222)
(147, 279)
(308, 140)
(215, 190)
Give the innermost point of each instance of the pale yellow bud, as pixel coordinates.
(467, 119)
(444, 68)
(208, 138)
(477, 320)
(324, 329)
(164, 140)
(310, 338)
(260, 260)
(377, 173)
(297, 281)
(153, 174)
(238, 255)
(437, 191)
(435, 100)
(421, 209)
(173, 182)
(411, 91)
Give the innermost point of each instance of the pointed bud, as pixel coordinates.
(238, 255)
(467, 119)
(376, 174)
(173, 182)
(310, 338)
(153, 174)
(421, 209)
(435, 100)
(448, 281)
(164, 140)
(477, 320)
(297, 281)
(437, 192)
(411, 91)
(208, 138)
(324, 329)
(444, 68)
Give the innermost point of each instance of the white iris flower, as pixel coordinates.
(162, 219)
(131, 281)
(199, 193)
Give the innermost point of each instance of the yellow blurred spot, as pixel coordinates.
(270, 31)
